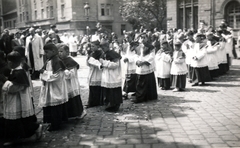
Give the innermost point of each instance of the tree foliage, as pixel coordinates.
(147, 13)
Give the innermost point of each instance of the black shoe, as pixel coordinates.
(181, 89)
(162, 88)
(125, 97)
(134, 94)
(137, 101)
(52, 128)
(87, 106)
(113, 108)
(203, 84)
(90, 106)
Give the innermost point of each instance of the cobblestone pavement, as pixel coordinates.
(201, 117)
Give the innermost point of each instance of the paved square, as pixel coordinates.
(202, 116)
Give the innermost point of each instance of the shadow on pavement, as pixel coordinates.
(201, 90)
(224, 85)
(135, 125)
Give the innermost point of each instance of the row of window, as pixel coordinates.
(188, 14)
(22, 2)
(49, 12)
(10, 24)
(24, 17)
(233, 14)
(106, 10)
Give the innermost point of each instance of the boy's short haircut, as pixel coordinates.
(20, 50)
(14, 57)
(63, 46)
(178, 43)
(50, 47)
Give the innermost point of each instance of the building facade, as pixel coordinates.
(189, 13)
(8, 14)
(69, 15)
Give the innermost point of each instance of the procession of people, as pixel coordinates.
(131, 68)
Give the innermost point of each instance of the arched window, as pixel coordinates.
(232, 14)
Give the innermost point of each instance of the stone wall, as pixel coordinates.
(171, 14)
(209, 11)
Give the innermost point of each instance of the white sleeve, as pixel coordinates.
(9, 87)
(49, 76)
(94, 62)
(110, 65)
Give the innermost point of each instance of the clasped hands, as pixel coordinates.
(101, 61)
(141, 63)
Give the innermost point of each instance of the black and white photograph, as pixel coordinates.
(120, 73)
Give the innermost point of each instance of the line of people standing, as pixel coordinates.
(200, 56)
(174, 57)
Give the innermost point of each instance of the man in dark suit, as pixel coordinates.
(17, 41)
(5, 44)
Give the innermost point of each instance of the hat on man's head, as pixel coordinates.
(39, 30)
(31, 29)
(51, 32)
(52, 26)
(98, 25)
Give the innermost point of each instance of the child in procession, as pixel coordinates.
(221, 54)
(129, 65)
(212, 49)
(146, 83)
(187, 48)
(3, 79)
(199, 62)
(25, 66)
(178, 68)
(95, 74)
(20, 121)
(163, 61)
(74, 104)
(111, 78)
(54, 93)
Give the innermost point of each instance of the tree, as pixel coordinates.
(147, 13)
